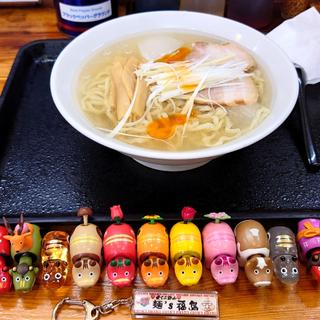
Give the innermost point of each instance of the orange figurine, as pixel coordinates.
(153, 252)
(54, 259)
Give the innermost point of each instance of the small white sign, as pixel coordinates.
(148, 302)
(91, 13)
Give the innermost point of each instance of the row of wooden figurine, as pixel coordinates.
(261, 253)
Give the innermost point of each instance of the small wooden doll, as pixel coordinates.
(186, 249)
(219, 246)
(308, 238)
(253, 252)
(153, 252)
(85, 251)
(5, 262)
(25, 250)
(54, 259)
(120, 252)
(284, 254)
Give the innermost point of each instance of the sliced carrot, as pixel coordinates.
(189, 87)
(164, 128)
(178, 55)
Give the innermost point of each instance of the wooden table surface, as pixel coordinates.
(19, 26)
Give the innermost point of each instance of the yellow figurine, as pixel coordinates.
(186, 249)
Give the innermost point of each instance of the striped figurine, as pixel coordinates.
(120, 253)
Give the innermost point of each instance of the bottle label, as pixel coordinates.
(91, 13)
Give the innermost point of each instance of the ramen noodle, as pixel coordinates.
(173, 92)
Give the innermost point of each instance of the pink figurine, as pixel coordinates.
(220, 249)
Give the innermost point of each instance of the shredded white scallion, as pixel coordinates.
(196, 88)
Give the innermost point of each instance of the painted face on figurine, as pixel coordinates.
(259, 271)
(225, 269)
(121, 272)
(188, 270)
(86, 272)
(155, 272)
(54, 273)
(24, 277)
(286, 268)
(5, 280)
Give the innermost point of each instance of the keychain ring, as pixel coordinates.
(91, 311)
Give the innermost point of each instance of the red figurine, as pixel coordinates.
(5, 261)
(120, 251)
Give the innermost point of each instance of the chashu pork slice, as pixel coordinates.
(218, 51)
(235, 93)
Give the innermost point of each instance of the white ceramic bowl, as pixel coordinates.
(278, 68)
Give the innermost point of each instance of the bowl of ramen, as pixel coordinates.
(173, 89)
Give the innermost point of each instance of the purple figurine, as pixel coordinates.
(308, 238)
(220, 249)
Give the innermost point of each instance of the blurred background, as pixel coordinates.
(76, 16)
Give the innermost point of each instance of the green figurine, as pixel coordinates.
(25, 242)
(24, 274)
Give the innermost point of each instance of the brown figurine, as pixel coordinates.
(284, 254)
(253, 252)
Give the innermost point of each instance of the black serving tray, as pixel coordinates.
(48, 169)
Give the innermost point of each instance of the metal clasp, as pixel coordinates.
(91, 311)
